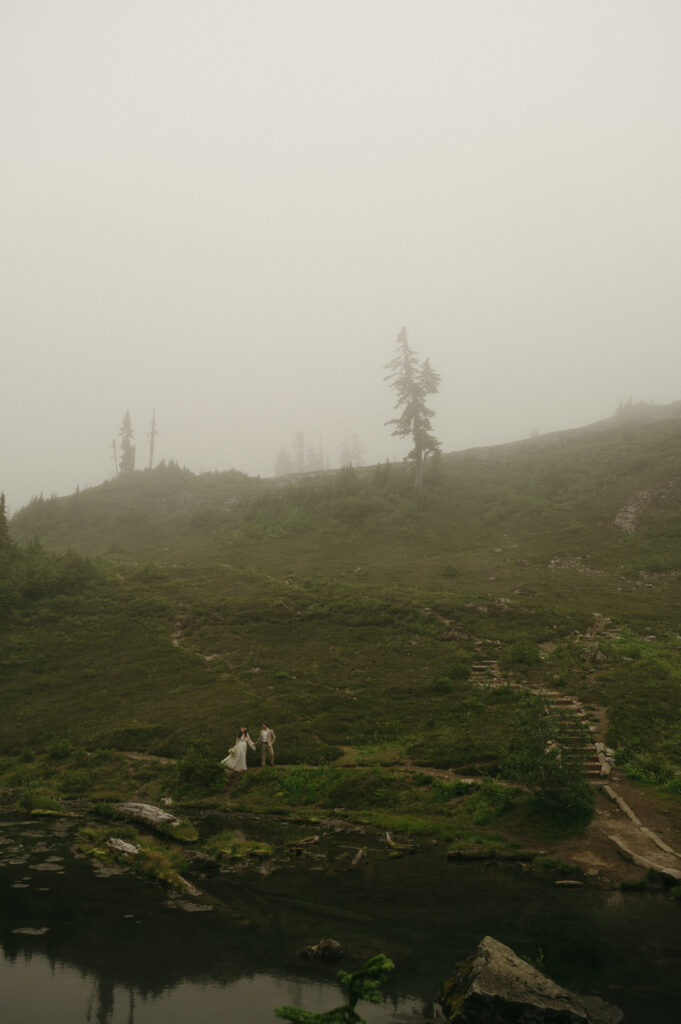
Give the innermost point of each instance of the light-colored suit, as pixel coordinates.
(266, 741)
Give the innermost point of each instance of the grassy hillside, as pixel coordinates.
(347, 610)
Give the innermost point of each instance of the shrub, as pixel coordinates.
(78, 781)
(459, 669)
(491, 801)
(199, 771)
(59, 749)
(547, 759)
(522, 654)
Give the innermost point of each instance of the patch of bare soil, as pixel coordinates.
(617, 848)
(138, 755)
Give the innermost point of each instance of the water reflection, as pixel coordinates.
(35, 982)
(115, 951)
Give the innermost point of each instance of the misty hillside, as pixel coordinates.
(350, 609)
(554, 496)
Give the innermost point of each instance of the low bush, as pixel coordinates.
(199, 771)
(59, 749)
(490, 802)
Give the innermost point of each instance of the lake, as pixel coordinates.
(78, 947)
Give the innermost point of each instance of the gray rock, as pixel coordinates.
(122, 846)
(494, 986)
(147, 813)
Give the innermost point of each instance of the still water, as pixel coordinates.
(80, 948)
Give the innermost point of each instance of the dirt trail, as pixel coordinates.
(139, 755)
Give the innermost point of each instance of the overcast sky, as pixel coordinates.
(225, 210)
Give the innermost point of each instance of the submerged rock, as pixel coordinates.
(495, 986)
(325, 950)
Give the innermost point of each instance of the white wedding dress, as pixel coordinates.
(236, 759)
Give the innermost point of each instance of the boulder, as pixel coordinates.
(325, 950)
(494, 986)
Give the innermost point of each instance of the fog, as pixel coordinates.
(225, 210)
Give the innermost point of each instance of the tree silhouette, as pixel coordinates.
(413, 382)
(283, 465)
(126, 462)
(351, 451)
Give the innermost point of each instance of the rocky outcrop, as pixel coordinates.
(628, 516)
(494, 986)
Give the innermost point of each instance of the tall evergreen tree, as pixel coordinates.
(299, 450)
(283, 465)
(126, 462)
(413, 382)
(314, 458)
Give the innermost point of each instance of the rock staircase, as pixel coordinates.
(597, 764)
(597, 758)
(486, 673)
(633, 840)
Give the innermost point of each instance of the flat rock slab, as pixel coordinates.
(147, 813)
(495, 986)
(673, 874)
(122, 846)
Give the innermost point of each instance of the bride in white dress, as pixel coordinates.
(236, 758)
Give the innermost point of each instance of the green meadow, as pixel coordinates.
(161, 610)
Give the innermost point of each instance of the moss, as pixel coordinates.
(154, 862)
(228, 846)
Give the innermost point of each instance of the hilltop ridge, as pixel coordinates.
(603, 463)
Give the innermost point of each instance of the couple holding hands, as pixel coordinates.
(236, 758)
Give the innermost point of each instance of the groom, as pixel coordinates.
(266, 740)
